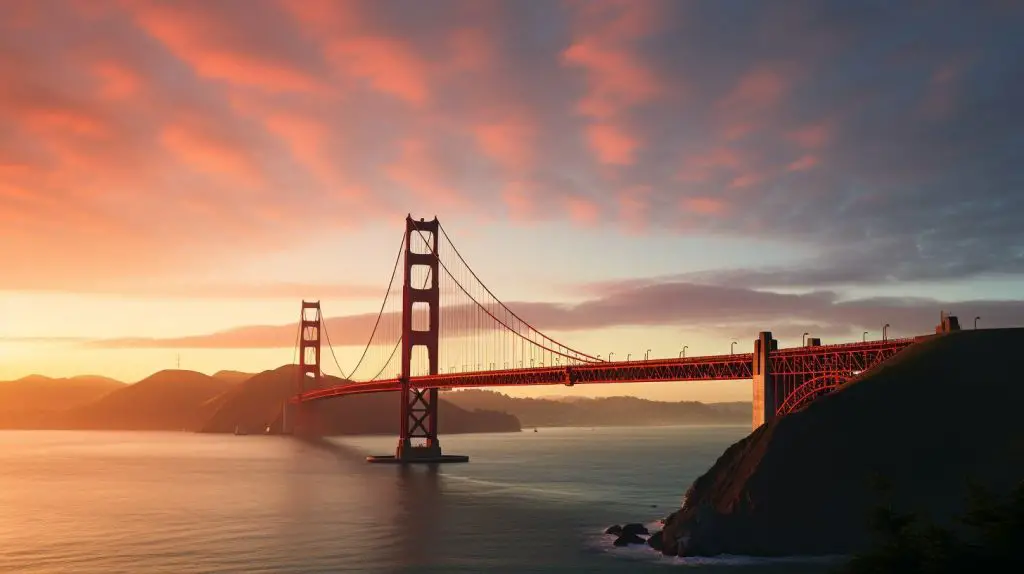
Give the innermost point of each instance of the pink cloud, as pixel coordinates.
(418, 169)
(633, 207)
(611, 144)
(509, 142)
(804, 163)
(388, 64)
(814, 136)
(700, 167)
(582, 210)
(518, 196)
(219, 49)
(704, 205)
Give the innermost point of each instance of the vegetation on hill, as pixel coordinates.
(938, 412)
(612, 411)
(989, 539)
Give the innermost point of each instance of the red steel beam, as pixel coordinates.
(798, 360)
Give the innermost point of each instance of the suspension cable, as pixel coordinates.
(369, 343)
(503, 306)
(499, 321)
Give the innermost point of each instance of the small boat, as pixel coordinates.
(534, 429)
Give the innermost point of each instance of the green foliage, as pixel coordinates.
(993, 540)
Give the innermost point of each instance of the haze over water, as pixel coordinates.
(169, 502)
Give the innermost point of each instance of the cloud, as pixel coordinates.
(722, 310)
(139, 137)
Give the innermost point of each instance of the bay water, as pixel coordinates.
(180, 502)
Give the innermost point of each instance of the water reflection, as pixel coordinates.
(417, 522)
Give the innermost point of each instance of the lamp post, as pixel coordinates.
(647, 355)
(732, 348)
(885, 332)
(864, 337)
(976, 323)
(628, 355)
(803, 340)
(682, 354)
(610, 356)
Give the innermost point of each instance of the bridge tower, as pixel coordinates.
(766, 401)
(309, 375)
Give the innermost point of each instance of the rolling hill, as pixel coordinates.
(256, 403)
(611, 411)
(167, 400)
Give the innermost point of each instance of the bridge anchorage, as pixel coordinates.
(446, 313)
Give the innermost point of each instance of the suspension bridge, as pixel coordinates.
(443, 328)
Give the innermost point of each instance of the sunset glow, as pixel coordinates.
(175, 177)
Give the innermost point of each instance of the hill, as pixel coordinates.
(167, 400)
(612, 411)
(34, 401)
(941, 412)
(232, 376)
(256, 403)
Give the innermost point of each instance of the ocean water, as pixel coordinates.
(177, 502)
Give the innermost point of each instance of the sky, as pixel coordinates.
(627, 175)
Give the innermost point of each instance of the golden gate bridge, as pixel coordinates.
(443, 328)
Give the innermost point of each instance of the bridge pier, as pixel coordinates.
(765, 400)
(418, 442)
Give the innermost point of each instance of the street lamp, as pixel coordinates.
(803, 340)
(885, 332)
(976, 323)
(864, 337)
(628, 355)
(610, 356)
(682, 354)
(647, 355)
(732, 348)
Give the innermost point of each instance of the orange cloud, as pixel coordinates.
(204, 152)
(633, 206)
(698, 168)
(118, 81)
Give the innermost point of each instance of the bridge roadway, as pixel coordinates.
(850, 357)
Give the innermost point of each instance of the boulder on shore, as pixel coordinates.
(940, 413)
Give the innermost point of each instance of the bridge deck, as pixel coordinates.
(711, 368)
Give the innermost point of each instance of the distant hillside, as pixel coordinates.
(36, 401)
(612, 411)
(256, 403)
(167, 400)
(232, 376)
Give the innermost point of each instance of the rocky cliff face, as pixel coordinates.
(940, 413)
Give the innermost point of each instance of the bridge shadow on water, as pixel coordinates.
(350, 512)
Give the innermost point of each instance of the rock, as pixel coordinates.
(804, 484)
(614, 529)
(655, 541)
(634, 528)
(628, 538)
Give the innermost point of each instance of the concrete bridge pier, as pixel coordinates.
(764, 392)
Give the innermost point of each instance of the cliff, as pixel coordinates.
(610, 411)
(940, 413)
(256, 403)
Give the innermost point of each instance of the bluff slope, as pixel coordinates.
(939, 413)
(610, 411)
